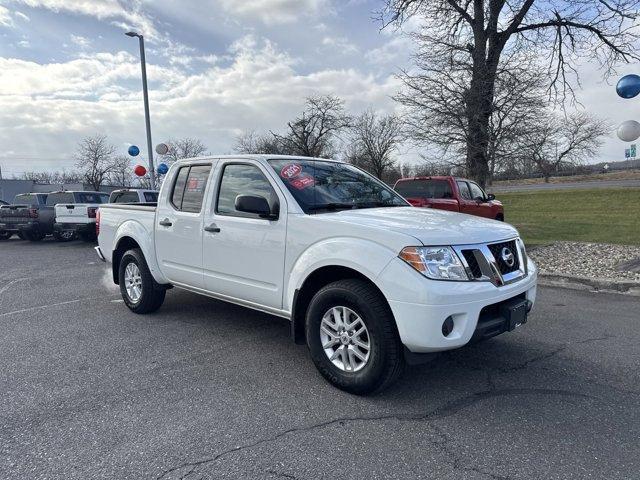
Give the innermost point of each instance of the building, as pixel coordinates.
(10, 188)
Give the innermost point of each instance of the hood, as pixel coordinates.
(428, 225)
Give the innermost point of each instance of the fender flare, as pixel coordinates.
(136, 231)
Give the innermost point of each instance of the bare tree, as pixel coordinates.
(252, 142)
(564, 142)
(52, 177)
(184, 148)
(374, 140)
(94, 159)
(481, 32)
(121, 174)
(314, 132)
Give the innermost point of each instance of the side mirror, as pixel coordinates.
(490, 197)
(255, 204)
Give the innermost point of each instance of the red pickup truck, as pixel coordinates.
(450, 193)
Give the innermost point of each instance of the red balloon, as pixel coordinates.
(140, 171)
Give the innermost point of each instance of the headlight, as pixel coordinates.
(438, 263)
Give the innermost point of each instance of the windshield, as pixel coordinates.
(90, 197)
(324, 186)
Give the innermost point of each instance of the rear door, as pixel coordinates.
(243, 253)
(179, 225)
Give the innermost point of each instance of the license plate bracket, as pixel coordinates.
(515, 313)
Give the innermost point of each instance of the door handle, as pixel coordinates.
(212, 228)
(166, 222)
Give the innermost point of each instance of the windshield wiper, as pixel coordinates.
(377, 204)
(332, 206)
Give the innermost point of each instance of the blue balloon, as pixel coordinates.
(134, 151)
(628, 86)
(163, 168)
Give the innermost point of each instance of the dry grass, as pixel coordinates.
(592, 177)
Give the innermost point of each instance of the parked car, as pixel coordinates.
(368, 281)
(450, 193)
(28, 216)
(76, 213)
(133, 196)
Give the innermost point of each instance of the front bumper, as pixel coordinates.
(420, 306)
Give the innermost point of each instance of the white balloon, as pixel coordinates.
(629, 131)
(163, 148)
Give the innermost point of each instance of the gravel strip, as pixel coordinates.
(587, 260)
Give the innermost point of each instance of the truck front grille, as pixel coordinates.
(499, 263)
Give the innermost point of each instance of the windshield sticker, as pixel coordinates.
(303, 182)
(292, 170)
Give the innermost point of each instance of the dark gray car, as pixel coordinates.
(28, 216)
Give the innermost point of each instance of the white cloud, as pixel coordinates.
(275, 11)
(340, 45)
(80, 41)
(49, 108)
(130, 17)
(22, 16)
(5, 17)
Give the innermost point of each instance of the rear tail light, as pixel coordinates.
(33, 213)
(97, 223)
(91, 212)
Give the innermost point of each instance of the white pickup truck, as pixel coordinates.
(75, 214)
(368, 282)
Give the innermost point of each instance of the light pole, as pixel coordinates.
(145, 94)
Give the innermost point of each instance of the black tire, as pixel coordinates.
(386, 360)
(21, 236)
(153, 293)
(5, 235)
(34, 236)
(500, 217)
(65, 236)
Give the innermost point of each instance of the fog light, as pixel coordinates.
(447, 326)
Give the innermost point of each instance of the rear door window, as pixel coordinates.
(189, 187)
(60, 197)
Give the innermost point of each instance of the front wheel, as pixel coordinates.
(352, 337)
(140, 292)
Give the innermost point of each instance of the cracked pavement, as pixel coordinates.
(207, 390)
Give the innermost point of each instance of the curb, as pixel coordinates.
(590, 284)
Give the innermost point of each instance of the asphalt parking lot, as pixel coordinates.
(207, 390)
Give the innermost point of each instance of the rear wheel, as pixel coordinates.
(352, 337)
(140, 292)
(500, 217)
(5, 235)
(21, 236)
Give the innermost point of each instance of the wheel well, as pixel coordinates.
(124, 244)
(314, 282)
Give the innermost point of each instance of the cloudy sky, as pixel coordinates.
(215, 67)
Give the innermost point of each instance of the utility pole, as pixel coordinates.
(145, 94)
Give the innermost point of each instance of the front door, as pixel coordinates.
(178, 228)
(243, 253)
